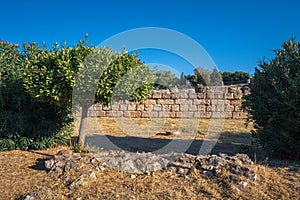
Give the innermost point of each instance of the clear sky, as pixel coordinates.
(235, 33)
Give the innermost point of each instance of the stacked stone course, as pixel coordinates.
(181, 103)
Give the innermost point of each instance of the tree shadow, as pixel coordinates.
(228, 143)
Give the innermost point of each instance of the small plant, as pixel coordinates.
(78, 148)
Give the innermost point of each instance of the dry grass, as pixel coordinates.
(22, 172)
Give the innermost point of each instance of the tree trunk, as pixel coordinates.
(83, 125)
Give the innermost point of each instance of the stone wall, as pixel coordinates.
(203, 102)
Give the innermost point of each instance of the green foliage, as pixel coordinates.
(25, 123)
(49, 75)
(215, 78)
(126, 78)
(165, 79)
(234, 78)
(200, 76)
(274, 102)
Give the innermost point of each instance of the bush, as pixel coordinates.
(25, 123)
(274, 102)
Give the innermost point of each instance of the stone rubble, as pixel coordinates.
(66, 162)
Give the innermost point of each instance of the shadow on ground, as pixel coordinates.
(229, 143)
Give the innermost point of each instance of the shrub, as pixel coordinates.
(274, 102)
(25, 123)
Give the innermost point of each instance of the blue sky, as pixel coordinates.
(236, 34)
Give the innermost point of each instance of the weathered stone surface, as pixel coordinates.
(192, 100)
(76, 169)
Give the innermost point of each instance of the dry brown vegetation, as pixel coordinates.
(22, 172)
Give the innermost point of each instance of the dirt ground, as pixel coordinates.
(22, 172)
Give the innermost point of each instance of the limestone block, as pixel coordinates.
(106, 108)
(166, 95)
(199, 101)
(165, 101)
(202, 115)
(172, 114)
(140, 107)
(184, 101)
(156, 94)
(187, 114)
(175, 107)
(201, 108)
(135, 114)
(239, 115)
(117, 113)
(162, 114)
(184, 107)
(131, 106)
(167, 107)
(154, 114)
(184, 94)
(193, 108)
(148, 107)
(157, 107)
(109, 113)
(150, 102)
(123, 107)
(201, 95)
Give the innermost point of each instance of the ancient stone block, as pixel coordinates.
(123, 107)
(199, 101)
(239, 115)
(183, 101)
(201, 95)
(187, 114)
(157, 107)
(145, 114)
(174, 107)
(201, 108)
(167, 107)
(117, 113)
(148, 107)
(105, 108)
(166, 95)
(184, 107)
(193, 108)
(135, 114)
(132, 107)
(162, 114)
(140, 107)
(156, 94)
(154, 114)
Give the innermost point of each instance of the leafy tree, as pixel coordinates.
(215, 78)
(165, 79)
(274, 102)
(236, 77)
(108, 76)
(200, 76)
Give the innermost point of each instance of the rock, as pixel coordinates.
(172, 132)
(66, 164)
(93, 176)
(49, 164)
(65, 178)
(208, 173)
(65, 152)
(28, 197)
(132, 176)
(128, 166)
(243, 183)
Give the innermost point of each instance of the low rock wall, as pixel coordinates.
(206, 102)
